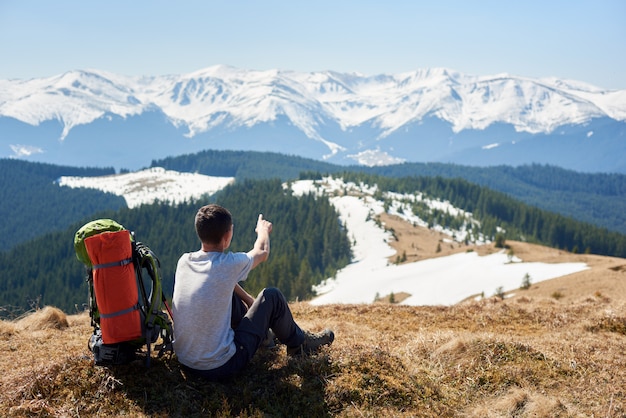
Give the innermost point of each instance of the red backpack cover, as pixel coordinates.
(115, 285)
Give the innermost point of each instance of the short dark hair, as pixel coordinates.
(212, 223)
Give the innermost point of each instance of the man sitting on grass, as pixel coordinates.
(214, 336)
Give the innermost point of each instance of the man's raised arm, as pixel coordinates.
(261, 250)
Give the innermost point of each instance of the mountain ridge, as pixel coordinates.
(143, 91)
(331, 116)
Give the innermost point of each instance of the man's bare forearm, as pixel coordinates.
(243, 295)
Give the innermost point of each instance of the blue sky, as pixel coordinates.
(572, 39)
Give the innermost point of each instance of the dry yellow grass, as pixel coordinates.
(493, 358)
(530, 355)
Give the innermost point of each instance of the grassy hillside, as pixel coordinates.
(554, 350)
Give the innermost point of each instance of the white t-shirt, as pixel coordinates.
(201, 306)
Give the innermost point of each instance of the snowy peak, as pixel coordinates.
(423, 115)
(467, 102)
(73, 98)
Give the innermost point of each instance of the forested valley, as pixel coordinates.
(38, 265)
(595, 198)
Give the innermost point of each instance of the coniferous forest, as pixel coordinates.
(38, 265)
(31, 203)
(596, 198)
(497, 210)
(308, 245)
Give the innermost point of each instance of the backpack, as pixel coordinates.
(124, 315)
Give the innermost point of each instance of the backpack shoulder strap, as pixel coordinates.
(156, 321)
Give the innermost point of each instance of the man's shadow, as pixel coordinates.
(271, 385)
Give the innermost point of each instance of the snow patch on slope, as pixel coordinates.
(151, 185)
(439, 281)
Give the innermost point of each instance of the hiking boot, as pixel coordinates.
(312, 343)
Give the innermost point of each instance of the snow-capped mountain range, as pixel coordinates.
(97, 118)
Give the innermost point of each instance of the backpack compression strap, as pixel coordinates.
(118, 313)
(113, 264)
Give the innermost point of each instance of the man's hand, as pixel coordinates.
(261, 249)
(263, 225)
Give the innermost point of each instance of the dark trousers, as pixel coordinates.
(269, 310)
